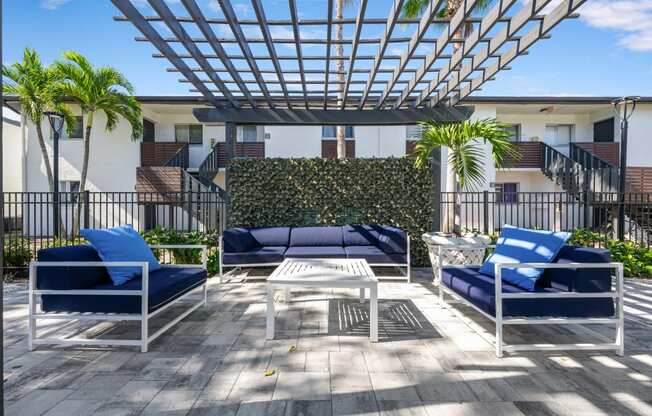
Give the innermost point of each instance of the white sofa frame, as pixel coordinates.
(407, 276)
(617, 345)
(143, 317)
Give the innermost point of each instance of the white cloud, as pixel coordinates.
(53, 4)
(630, 20)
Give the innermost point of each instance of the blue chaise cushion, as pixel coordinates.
(374, 255)
(522, 245)
(316, 236)
(121, 243)
(479, 289)
(392, 239)
(66, 278)
(316, 252)
(360, 235)
(238, 240)
(271, 236)
(257, 255)
(165, 285)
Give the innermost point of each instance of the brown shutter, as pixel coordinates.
(329, 149)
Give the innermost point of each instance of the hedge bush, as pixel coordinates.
(306, 192)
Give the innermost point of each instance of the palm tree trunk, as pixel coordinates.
(340, 130)
(44, 155)
(84, 173)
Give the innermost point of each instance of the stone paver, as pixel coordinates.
(429, 362)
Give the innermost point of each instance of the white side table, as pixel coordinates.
(445, 249)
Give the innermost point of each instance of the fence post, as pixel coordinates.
(86, 208)
(485, 211)
(189, 208)
(587, 209)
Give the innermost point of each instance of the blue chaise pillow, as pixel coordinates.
(121, 243)
(522, 245)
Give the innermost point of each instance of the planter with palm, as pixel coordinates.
(97, 89)
(465, 142)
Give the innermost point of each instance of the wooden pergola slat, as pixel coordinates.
(430, 67)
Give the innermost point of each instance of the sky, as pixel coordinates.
(606, 52)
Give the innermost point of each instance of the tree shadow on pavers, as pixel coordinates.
(398, 320)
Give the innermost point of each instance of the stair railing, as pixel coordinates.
(180, 159)
(561, 169)
(600, 175)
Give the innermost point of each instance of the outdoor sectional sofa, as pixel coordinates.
(574, 289)
(72, 283)
(380, 245)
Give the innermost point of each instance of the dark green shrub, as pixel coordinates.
(160, 235)
(299, 192)
(17, 252)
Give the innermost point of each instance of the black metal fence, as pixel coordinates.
(30, 219)
(488, 212)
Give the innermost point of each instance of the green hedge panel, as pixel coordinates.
(304, 192)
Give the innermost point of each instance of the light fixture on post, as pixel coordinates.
(56, 124)
(624, 108)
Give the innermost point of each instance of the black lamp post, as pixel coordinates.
(624, 108)
(56, 123)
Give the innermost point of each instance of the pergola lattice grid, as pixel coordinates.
(428, 63)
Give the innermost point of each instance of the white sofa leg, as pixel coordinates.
(143, 334)
(620, 302)
(31, 333)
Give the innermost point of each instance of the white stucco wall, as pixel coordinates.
(639, 138)
(533, 126)
(13, 151)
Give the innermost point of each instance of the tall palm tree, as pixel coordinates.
(102, 89)
(35, 86)
(465, 152)
(340, 131)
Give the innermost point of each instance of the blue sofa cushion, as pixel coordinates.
(392, 239)
(60, 278)
(271, 236)
(238, 240)
(121, 243)
(579, 280)
(478, 288)
(255, 255)
(360, 235)
(316, 252)
(165, 285)
(374, 255)
(316, 236)
(522, 245)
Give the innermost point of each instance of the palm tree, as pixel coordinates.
(340, 131)
(465, 152)
(102, 89)
(35, 86)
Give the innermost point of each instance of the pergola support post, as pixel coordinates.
(436, 189)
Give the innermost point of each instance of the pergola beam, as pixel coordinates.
(134, 16)
(232, 21)
(456, 24)
(392, 19)
(297, 45)
(329, 38)
(200, 20)
(178, 30)
(552, 19)
(428, 14)
(354, 50)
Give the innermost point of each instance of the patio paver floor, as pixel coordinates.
(428, 361)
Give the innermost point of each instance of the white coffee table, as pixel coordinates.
(328, 273)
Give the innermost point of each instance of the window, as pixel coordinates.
(328, 132)
(189, 133)
(514, 132)
(413, 132)
(77, 133)
(248, 133)
(559, 134)
(507, 193)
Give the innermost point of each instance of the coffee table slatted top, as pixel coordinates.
(322, 270)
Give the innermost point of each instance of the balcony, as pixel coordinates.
(609, 152)
(530, 156)
(159, 153)
(252, 150)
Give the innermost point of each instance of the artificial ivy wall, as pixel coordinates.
(304, 192)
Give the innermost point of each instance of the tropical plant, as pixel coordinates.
(465, 152)
(340, 131)
(35, 86)
(102, 89)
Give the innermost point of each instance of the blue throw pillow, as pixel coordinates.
(121, 244)
(522, 245)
